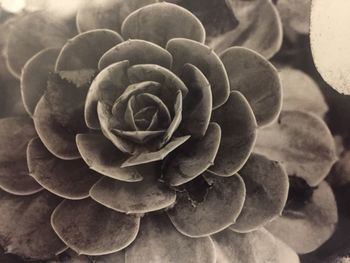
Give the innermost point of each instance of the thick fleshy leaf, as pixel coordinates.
(139, 136)
(136, 52)
(238, 133)
(102, 156)
(69, 256)
(108, 85)
(107, 14)
(158, 241)
(192, 158)
(254, 247)
(25, 227)
(267, 186)
(295, 16)
(104, 113)
(158, 23)
(138, 197)
(59, 116)
(35, 76)
(302, 142)
(142, 95)
(82, 53)
(300, 92)
(219, 208)
(306, 228)
(175, 122)
(259, 28)
(198, 104)
(32, 33)
(152, 156)
(189, 51)
(69, 179)
(150, 72)
(257, 79)
(91, 229)
(15, 133)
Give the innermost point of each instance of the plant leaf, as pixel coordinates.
(158, 23)
(302, 142)
(220, 208)
(159, 241)
(75, 223)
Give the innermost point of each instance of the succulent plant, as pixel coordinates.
(149, 146)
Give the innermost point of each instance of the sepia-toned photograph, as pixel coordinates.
(174, 131)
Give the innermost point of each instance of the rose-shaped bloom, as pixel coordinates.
(142, 141)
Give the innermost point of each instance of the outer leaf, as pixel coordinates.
(158, 241)
(257, 79)
(33, 32)
(198, 103)
(306, 229)
(189, 51)
(75, 223)
(83, 53)
(25, 227)
(136, 52)
(295, 16)
(259, 28)
(102, 156)
(267, 190)
(138, 197)
(238, 133)
(254, 247)
(192, 158)
(300, 92)
(15, 133)
(59, 116)
(220, 208)
(158, 23)
(152, 156)
(106, 14)
(108, 85)
(69, 179)
(34, 77)
(302, 142)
